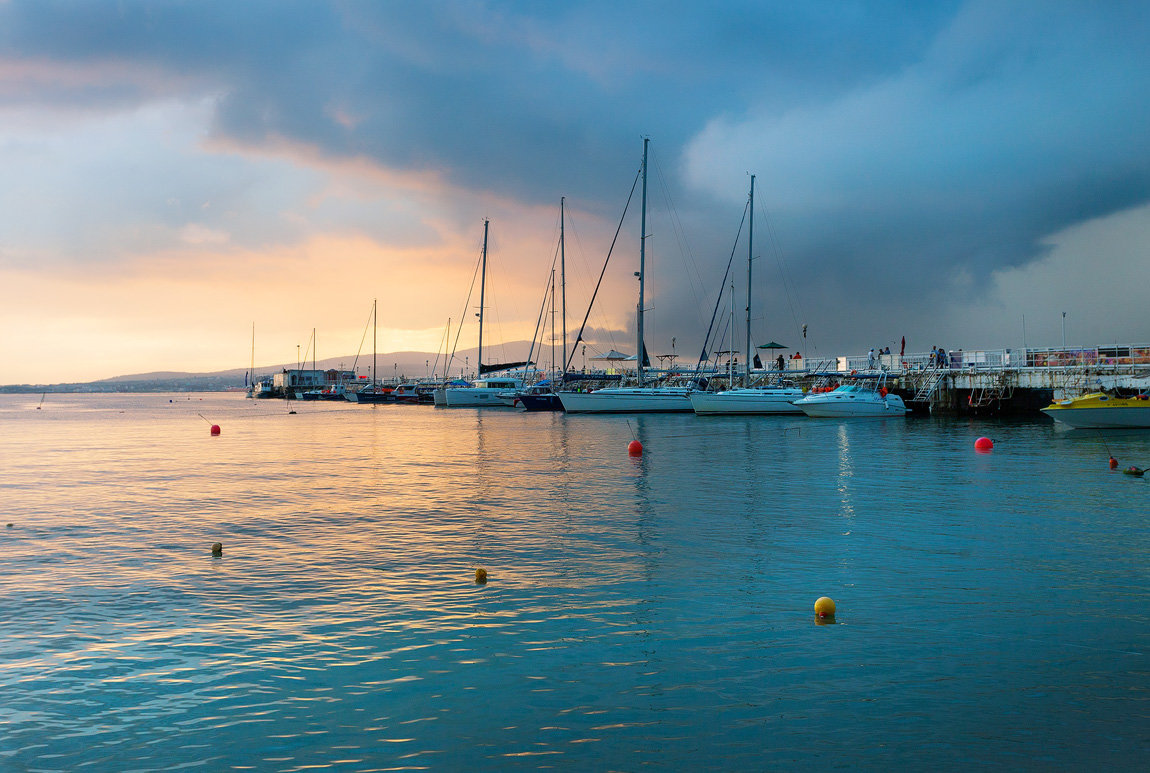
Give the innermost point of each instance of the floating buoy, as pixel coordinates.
(215, 429)
(1136, 471)
(217, 549)
(9, 526)
(1113, 463)
(984, 444)
(480, 576)
(825, 607)
(634, 448)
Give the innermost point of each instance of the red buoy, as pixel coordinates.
(215, 429)
(984, 444)
(634, 448)
(1113, 463)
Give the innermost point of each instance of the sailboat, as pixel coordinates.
(542, 395)
(483, 391)
(748, 399)
(373, 392)
(636, 399)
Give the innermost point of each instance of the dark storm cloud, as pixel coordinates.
(520, 98)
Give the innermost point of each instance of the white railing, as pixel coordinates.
(1003, 359)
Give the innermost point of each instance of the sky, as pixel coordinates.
(964, 174)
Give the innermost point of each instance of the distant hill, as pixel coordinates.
(391, 364)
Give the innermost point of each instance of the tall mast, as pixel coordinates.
(374, 325)
(482, 289)
(642, 270)
(553, 324)
(252, 372)
(750, 257)
(562, 280)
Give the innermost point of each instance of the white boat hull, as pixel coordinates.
(629, 400)
(832, 405)
(747, 401)
(471, 397)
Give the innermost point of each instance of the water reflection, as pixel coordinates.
(629, 602)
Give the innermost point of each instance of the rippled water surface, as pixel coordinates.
(652, 612)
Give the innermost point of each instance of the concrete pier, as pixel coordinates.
(1000, 381)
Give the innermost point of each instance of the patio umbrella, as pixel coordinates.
(774, 345)
(611, 355)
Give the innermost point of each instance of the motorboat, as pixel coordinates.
(1099, 410)
(860, 397)
(483, 392)
(540, 396)
(748, 400)
(370, 394)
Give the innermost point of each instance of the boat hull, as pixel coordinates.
(1098, 411)
(471, 397)
(545, 402)
(747, 401)
(365, 397)
(826, 406)
(628, 400)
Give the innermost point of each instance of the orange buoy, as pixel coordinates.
(634, 448)
(1113, 463)
(984, 444)
(215, 429)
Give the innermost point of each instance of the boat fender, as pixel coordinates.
(882, 392)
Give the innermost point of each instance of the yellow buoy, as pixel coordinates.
(217, 549)
(825, 607)
(480, 576)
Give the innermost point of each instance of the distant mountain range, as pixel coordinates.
(412, 365)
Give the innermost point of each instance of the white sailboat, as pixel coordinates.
(483, 391)
(636, 399)
(749, 399)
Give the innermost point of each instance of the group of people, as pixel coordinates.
(938, 356)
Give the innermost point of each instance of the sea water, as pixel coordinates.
(652, 611)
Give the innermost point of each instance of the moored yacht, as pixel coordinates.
(640, 398)
(748, 400)
(665, 399)
(863, 396)
(483, 392)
